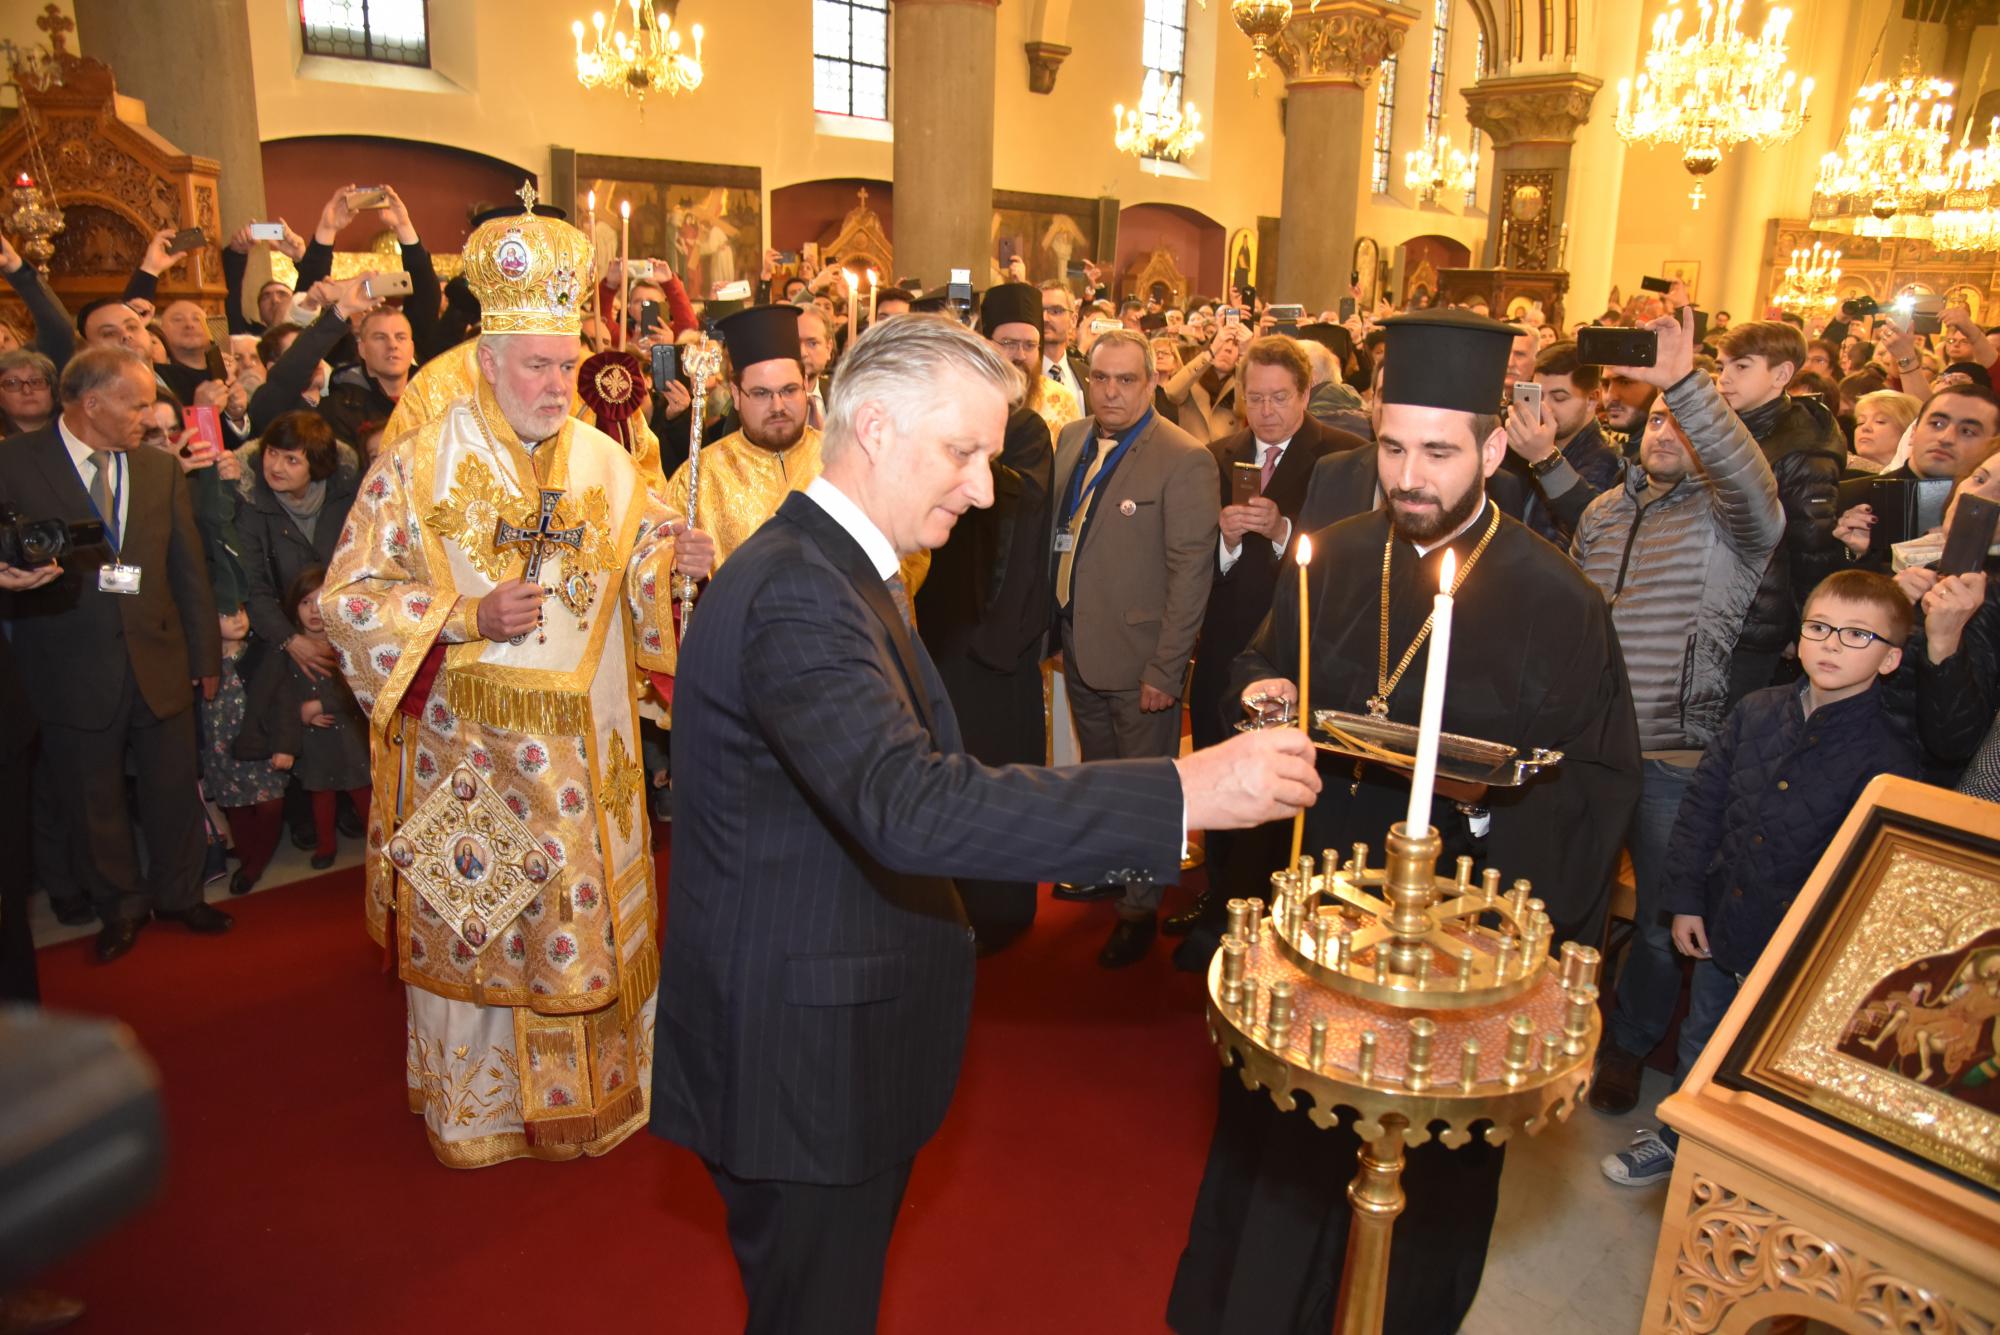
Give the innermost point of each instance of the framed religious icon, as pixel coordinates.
(1243, 258)
(1688, 271)
(1879, 1020)
(1046, 232)
(1368, 271)
(706, 220)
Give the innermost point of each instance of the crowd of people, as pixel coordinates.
(1781, 647)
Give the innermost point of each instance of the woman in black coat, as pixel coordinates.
(299, 483)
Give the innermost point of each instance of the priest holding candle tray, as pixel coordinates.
(1531, 662)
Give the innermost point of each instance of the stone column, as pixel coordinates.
(1532, 121)
(189, 62)
(941, 103)
(1329, 55)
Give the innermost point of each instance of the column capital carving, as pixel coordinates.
(1044, 59)
(1340, 41)
(1530, 109)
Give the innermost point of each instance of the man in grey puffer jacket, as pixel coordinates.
(1678, 550)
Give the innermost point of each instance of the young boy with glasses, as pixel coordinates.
(1770, 791)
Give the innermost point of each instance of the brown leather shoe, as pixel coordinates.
(36, 1311)
(1615, 1087)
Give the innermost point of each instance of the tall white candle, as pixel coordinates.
(1430, 722)
(874, 288)
(853, 306)
(624, 267)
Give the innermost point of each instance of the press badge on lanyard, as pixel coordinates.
(115, 576)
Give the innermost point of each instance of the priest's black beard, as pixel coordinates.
(1451, 518)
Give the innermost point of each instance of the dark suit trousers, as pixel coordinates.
(1111, 726)
(811, 1256)
(87, 767)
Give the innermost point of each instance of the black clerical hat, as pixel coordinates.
(1333, 337)
(1446, 359)
(1010, 303)
(761, 334)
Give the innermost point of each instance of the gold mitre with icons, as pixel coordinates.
(531, 273)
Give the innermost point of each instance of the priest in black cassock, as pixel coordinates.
(984, 609)
(1535, 663)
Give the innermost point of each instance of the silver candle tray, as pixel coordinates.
(1462, 759)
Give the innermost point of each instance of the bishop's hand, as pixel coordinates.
(1272, 688)
(694, 554)
(511, 609)
(1252, 778)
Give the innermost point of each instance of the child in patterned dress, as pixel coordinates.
(251, 793)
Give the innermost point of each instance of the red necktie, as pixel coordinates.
(1271, 457)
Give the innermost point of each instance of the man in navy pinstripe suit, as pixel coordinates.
(817, 971)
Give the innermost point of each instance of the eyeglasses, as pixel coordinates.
(16, 385)
(764, 397)
(1020, 347)
(1853, 637)
(1280, 401)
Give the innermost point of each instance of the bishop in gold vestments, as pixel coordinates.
(509, 862)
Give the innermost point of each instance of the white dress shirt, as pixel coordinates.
(1231, 555)
(118, 484)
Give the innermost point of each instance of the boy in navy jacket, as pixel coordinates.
(1772, 788)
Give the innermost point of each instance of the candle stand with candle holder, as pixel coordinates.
(1423, 1005)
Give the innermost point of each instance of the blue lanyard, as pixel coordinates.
(1073, 497)
(112, 536)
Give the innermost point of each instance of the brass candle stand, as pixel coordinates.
(1409, 999)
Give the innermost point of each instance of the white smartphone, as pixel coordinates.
(267, 231)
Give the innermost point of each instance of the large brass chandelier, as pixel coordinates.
(1812, 282)
(1893, 166)
(647, 60)
(1162, 128)
(1439, 169)
(1713, 89)
(1969, 218)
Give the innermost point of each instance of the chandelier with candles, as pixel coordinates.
(1894, 164)
(1162, 128)
(1714, 88)
(647, 59)
(1812, 280)
(1439, 169)
(1969, 215)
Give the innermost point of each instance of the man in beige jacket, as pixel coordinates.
(1135, 528)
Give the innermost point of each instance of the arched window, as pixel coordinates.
(1440, 47)
(1478, 73)
(1163, 51)
(1385, 120)
(851, 58)
(395, 32)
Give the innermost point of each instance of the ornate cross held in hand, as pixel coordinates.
(537, 541)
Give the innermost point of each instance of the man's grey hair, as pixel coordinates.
(898, 364)
(1326, 367)
(1124, 338)
(96, 368)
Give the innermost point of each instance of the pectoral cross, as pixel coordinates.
(538, 540)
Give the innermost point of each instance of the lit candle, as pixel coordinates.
(1304, 556)
(1430, 722)
(1562, 246)
(624, 266)
(874, 286)
(853, 305)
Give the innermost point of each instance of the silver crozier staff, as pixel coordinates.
(703, 360)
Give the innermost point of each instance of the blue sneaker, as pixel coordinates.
(1648, 1159)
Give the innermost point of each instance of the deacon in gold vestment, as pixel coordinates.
(488, 600)
(747, 474)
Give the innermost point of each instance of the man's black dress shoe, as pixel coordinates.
(1130, 940)
(74, 915)
(116, 937)
(203, 918)
(1085, 894)
(1180, 924)
(1614, 1089)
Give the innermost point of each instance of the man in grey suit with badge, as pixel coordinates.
(816, 970)
(1136, 523)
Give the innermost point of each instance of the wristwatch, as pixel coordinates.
(1547, 464)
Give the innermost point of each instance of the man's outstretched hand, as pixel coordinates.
(1252, 778)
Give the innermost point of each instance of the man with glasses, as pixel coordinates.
(1281, 443)
(1013, 316)
(1133, 548)
(1061, 361)
(747, 474)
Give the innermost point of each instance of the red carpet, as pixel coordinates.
(301, 1197)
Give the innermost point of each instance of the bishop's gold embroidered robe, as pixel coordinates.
(742, 485)
(509, 853)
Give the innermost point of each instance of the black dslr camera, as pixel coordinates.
(1859, 308)
(36, 542)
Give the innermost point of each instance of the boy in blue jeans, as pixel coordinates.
(1772, 788)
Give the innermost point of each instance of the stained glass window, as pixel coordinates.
(1478, 73)
(851, 58)
(396, 32)
(1163, 51)
(1440, 45)
(1385, 120)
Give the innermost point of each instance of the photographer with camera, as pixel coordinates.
(108, 647)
